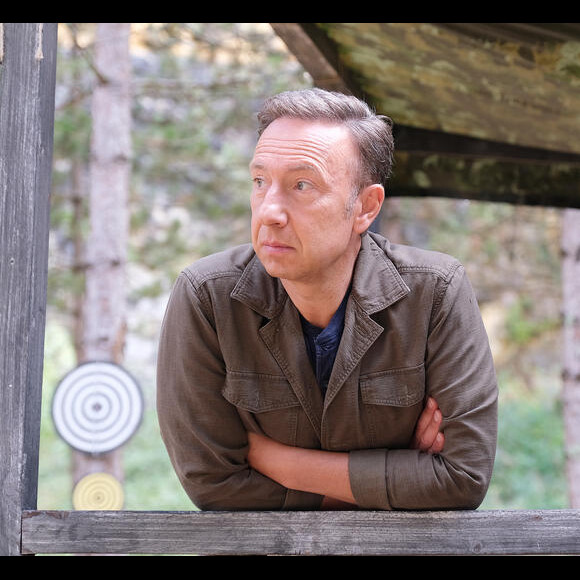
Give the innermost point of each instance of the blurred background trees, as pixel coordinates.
(195, 91)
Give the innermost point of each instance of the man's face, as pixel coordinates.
(303, 174)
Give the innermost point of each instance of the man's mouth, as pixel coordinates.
(275, 246)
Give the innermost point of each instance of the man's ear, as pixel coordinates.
(370, 201)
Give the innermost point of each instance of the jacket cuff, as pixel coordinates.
(367, 474)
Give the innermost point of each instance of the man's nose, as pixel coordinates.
(273, 210)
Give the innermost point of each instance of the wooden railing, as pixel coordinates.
(303, 533)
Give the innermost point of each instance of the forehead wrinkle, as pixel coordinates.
(288, 143)
(295, 168)
(320, 145)
(302, 154)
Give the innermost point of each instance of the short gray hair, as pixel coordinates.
(372, 133)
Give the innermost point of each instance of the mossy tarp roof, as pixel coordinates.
(486, 111)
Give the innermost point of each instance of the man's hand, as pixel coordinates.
(427, 436)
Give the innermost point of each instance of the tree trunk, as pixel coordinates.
(571, 350)
(106, 252)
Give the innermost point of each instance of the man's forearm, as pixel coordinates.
(327, 472)
(309, 470)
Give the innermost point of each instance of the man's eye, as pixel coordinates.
(302, 185)
(258, 181)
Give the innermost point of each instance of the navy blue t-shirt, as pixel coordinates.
(322, 344)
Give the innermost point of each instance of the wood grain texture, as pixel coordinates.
(303, 533)
(27, 85)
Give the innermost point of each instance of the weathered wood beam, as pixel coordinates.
(303, 533)
(555, 199)
(425, 141)
(485, 179)
(27, 85)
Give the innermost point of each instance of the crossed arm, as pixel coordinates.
(326, 472)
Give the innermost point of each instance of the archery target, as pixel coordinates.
(97, 407)
(98, 491)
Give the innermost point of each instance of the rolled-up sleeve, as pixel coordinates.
(367, 469)
(203, 433)
(460, 375)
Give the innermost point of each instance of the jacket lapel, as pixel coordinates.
(360, 332)
(376, 285)
(282, 335)
(285, 341)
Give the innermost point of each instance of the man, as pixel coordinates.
(322, 366)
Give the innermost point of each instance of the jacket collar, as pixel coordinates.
(376, 285)
(376, 282)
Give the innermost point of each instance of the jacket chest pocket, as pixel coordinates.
(392, 402)
(264, 402)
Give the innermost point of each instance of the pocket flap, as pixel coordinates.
(257, 392)
(397, 387)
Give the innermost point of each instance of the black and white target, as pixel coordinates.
(97, 407)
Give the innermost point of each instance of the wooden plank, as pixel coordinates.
(523, 183)
(27, 85)
(426, 141)
(303, 533)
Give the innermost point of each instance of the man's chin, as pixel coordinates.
(274, 270)
(276, 264)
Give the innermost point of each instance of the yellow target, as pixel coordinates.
(98, 491)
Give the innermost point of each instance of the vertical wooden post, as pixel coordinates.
(27, 85)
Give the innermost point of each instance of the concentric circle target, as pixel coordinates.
(97, 407)
(98, 491)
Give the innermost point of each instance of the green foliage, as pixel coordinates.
(72, 134)
(521, 324)
(55, 485)
(530, 461)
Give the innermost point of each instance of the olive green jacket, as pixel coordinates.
(232, 358)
